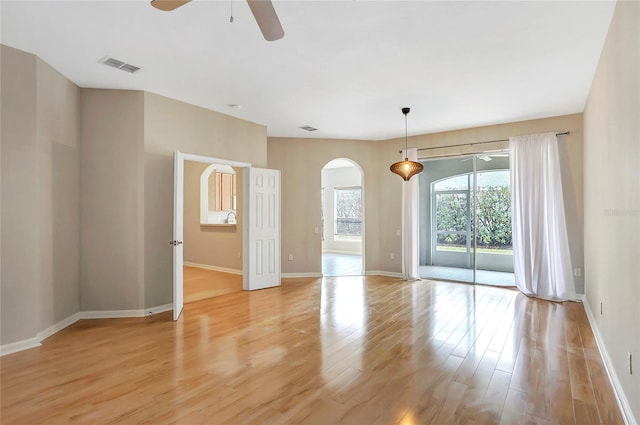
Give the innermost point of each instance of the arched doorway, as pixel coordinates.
(342, 215)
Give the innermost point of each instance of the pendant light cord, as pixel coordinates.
(406, 153)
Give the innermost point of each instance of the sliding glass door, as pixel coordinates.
(451, 220)
(494, 248)
(465, 220)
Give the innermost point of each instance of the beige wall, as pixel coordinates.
(111, 190)
(20, 185)
(170, 125)
(40, 223)
(383, 220)
(87, 192)
(612, 196)
(86, 225)
(59, 215)
(212, 246)
(128, 140)
(301, 162)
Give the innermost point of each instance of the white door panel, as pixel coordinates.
(178, 231)
(261, 229)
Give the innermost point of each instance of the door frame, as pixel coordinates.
(178, 292)
(472, 216)
(356, 165)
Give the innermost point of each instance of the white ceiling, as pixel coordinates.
(344, 67)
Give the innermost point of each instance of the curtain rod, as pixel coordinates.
(564, 133)
(460, 155)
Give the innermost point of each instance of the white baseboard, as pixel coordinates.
(158, 309)
(118, 314)
(14, 347)
(214, 268)
(26, 344)
(383, 273)
(621, 398)
(298, 275)
(57, 327)
(111, 314)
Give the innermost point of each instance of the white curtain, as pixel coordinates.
(410, 266)
(542, 262)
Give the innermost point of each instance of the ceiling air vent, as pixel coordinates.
(115, 63)
(308, 128)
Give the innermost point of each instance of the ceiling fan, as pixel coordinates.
(487, 157)
(262, 10)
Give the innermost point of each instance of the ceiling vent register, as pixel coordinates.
(115, 63)
(308, 128)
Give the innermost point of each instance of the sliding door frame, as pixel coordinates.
(472, 206)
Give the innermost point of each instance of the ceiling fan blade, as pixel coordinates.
(267, 19)
(168, 5)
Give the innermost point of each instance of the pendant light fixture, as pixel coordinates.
(406, 169)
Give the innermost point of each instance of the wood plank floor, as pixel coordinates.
(200, 284)
(354, 350)
(335, 264)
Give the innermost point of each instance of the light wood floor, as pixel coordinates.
(355, 350)
(200, 284)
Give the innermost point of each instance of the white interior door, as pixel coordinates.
(178, 230)
(261, 229)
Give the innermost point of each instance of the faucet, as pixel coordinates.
(231, 220)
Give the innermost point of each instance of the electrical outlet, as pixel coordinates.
(316, 230)
(398, 232)
(238, 254)
(290, 257)
(577, 272)
(630, 363)
(392, 256)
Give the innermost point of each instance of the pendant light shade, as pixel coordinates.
(406, 169)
